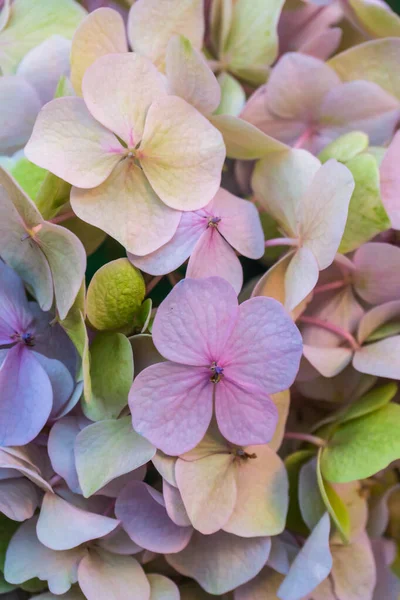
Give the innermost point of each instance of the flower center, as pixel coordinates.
(26, 338)
(243, 455)
(213, 221)
(217, 373)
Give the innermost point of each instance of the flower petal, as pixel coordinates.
(174, 505)
(381, 358)
(126, 207)
(171, 406)
(174, 253)
(376, 317)
(26, 397)
(144, 517)
(14, 308)
(62, 526)
(245, 415)
(265, 347)
(61, 381)
(181, 153)
(19, 106)
(221, 562)
(18, 499)
(162, 588)
(328, 361)
(390, 182)
(213, 256)
(61, 451)
(301, 277)
(101, 32)
(375, 278)
(68, 141)
(112, 94)
(194, 322)
(208, 490)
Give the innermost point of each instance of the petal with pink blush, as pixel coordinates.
(162, 588)
(381, 358)
(221, 562)
(376, 317)
(262, 587)
(323, 211)
(106, 576)
(301, 277)
(19, 105)
(62, 526)
(101, 32)
(213, 256)
(181, 154)
(171, 405)
(174, 505)
(390, 181)
(194, 322)
(375, 278)
(298, 84)
(126, 207)
(27, 558)
(151, 25)
(141, 510)
(112, 94)
(119, 542)
(328, 361)
(360, 106)
(311, 565)
(262, 494)
(70, 143)
(174, 253)
(26, 397)
(208, 490)
(240, 223)
(19, 499)
(353, 570)
(245, 415)
(265, 347)
(190, 77)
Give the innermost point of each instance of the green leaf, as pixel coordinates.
(384, 331)
(114, 296)
(32, 22)
(345, 147)
(5, 586)
(142, 317)
(233, 96)
(29, 176)
(271, 231)
(373, 400)
(367, 216)
(107, 450)
(64, 88)
(74, 323)
(7, 530)
(34, 585)
(111, 376)
(361, 447)
(311, 504)
(333, 503)
(293, 464)
(52, 195)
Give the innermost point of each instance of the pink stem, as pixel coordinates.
(299, 143)
(306, 437)
(152, 284)
(330, 327)
(173, 279)
(55, 480)
(281, 242)
(64, 217)
(327, 287)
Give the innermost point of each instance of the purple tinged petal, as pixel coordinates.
(174, 505)
(15, 316)
(171, 405)
(61, 382)
(62, 526)
(18, 499)
(26, 397)
(221, 562)
(377, 266)
(61, 450)
(142, 512)
(174, 253)
(194, 322)
(119, 542)
(19, 105)
(213, 256)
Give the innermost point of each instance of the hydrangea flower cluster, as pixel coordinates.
(199, 300)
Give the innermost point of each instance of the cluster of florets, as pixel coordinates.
(199, 300)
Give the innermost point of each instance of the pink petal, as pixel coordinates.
(353, 570)
(119, 542)
(62, 526)
(221, 562)
(301, 277)
(240, 223)
(213, 256)
(181, 154)
(381, 358)
(208, 489)
(245, 415)
(19, 499)
(390, 182)
(136, 217)
(174, 505)
(195, 320)
(61, 450)
(174, 253)
(360, 106)
(171, 405)
(375, 278)
(376, 317)
(19, 106)
(113, 96)
(143, 515)
(297, 85)
(328, 361)
(26, 397)
(265, 347)
(68, 141)
(323, 44)
(106, 576)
